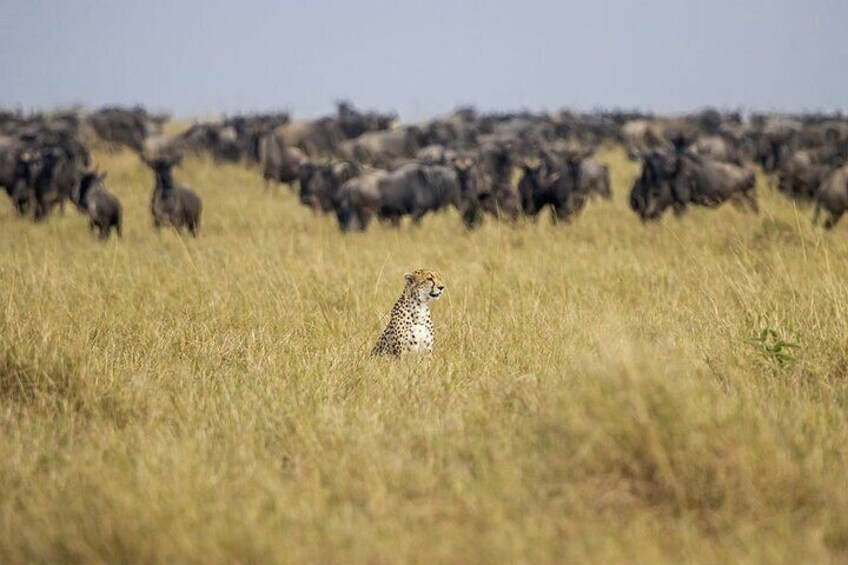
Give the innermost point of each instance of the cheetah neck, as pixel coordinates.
(419, 310)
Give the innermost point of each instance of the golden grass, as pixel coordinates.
(598, 390)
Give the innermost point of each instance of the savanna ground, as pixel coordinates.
(603, 391)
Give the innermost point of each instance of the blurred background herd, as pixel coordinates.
(361, 166)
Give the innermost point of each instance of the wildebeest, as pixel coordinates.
(358, 201)
(800, 176)
(102, 208)
(352, 123)
(641, 136)
(320, 183)
(833, 197)
(468, 178)
(496, 194)
(279, 162)
(678, 179)
(384, 149)
(543, 185)
(18, 166)
(715, 147)
(315, 138)
(594, 178)
(415, 190)
(125, 126)
(172, 204)
(411, 190)
(435, 155)
(56, 176)
(564, 178)
(39, 158)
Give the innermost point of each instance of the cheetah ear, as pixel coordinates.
(408, 278)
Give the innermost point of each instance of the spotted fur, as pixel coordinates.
(410, 327)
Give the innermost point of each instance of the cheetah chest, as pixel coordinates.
(418, 335)
(420, 338)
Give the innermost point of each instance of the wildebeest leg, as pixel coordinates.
(560, 213)
(751, 199)
(104, 231)
(736, 201)
(91, 225)
(32, 206)
(193, 227)
(39, 213)
(816, 214)
(833, 219)
(365, 218)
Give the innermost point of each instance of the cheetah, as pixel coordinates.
(410, 328)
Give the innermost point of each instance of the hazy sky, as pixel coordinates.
(202, 57)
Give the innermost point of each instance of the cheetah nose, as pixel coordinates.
(441, 287)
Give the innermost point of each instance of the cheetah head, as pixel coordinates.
(424, 285)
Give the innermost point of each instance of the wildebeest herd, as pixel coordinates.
(359, 166)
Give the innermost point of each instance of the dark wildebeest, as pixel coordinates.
(172, 204)
(469, 189)
(833, 197)
(545, 184)
(358, 201)
(101, 207)
(800, 176)
(352, 123)
(411, 190)
(56, 179)
(279, 162)
(496, 194)
(415, 190)
(125, 126)
(678, 179)
(320, 183)
(19, 164)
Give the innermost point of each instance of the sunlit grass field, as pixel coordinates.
(603, 391)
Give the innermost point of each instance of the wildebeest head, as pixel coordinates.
(50, 156)
(321, 186)
(530, 183)
(496, 160)
(28, 165)
(320, 182)
(306, 171)
(162, 161)
(468, 186)
(88, 180)
(161, 167)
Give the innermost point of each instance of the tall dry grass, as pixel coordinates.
(603, 391)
